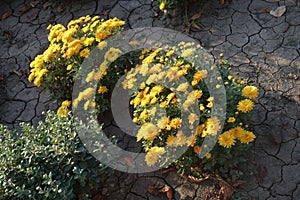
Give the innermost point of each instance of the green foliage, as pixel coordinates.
(46, 162)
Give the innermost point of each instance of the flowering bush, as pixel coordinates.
(160, 97)
(159, 132)
(56, 68)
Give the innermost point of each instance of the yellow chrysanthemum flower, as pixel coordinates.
(163, 122)
(102, 90)
(101, 34)
(88, 41)
(163, 6)
(148, 131)
(73, 48)
(245, 105)
(250, 92)
(63, 109)
(175, 123)
(199, 75)
(208, 156)
(84, 53)
(231, 120)
(226, 139)
(177, 140)
(246, 137)
(153, 155)
(66, 103)
(212, 125)
(69, 67)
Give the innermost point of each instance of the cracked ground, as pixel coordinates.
(264, 50)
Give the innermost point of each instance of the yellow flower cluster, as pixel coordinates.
(228, 138)
(63, 110)
(80, 36)
(153, 155)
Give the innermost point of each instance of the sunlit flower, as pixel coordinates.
(163, 6)
(246, 137)
(245, 105)
(199, 75)
(250, 92)
(69, 67)
(102, 89)
(212, 125)
(163, 122)
(73, 48)
(175, 122)
(153, 155)
(208, 156)
(66, 103)
(148, 131)
(177, 140)
(226, 139)
(63, 110)
(84, 53)
(101, 34)
(231, 120)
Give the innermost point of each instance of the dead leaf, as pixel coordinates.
(278, 12)
(155, 190)
(266, 11)
(226, 189)
(222, 2)
(129, 161)
(34, 4)
(24, 9)
(197, 180)
(6, 15)
(186, 29)
(18, 73)
(195, 16)
(166, 171)
(237, 182)
(195, 26)
(167, 190)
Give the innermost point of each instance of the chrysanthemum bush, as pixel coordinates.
(159, 98)
(56, 68)
(47, 162)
